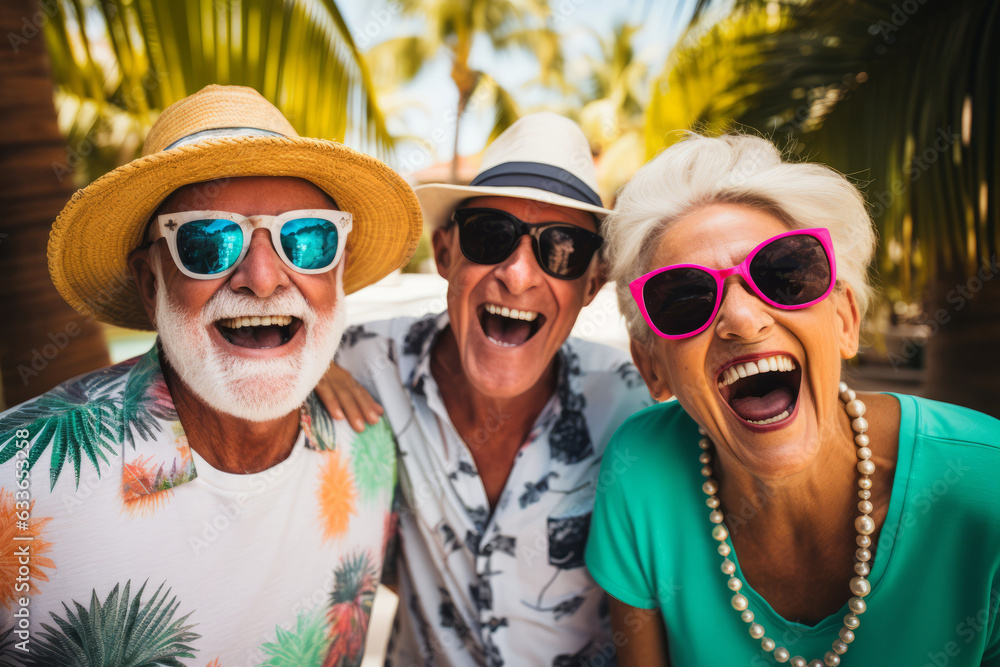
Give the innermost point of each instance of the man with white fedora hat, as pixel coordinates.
(500, 421)
(198, 502)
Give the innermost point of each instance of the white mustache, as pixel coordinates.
(226, 304)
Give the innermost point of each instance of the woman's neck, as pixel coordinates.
(795, 536)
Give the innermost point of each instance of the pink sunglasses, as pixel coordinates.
(789, 271)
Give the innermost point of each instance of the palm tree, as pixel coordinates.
(453, 26)
(613, 107)
(44, 341)
(901, 95)
(115, 65)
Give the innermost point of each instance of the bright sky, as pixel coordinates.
(425, 103)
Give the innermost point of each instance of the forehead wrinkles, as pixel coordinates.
(718, 236)
(714, 253)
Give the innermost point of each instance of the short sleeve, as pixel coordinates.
(613, 555)
(366, 352)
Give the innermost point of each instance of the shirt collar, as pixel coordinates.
(418, 343)
(156, 454)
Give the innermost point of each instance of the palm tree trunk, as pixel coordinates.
(42, 340)
(465, 81)
(962, 355)
(454, 155)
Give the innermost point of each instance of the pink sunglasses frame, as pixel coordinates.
(743, 269)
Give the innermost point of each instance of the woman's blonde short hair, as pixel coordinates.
(733, 169)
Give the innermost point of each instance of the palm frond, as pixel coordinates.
(7, 641)
(505, 110)
(76, 419)
(306, 646)
(146, 400)
(708, 83)
(118, 63)
(398, 60)
(120, 632)
(354, 579)
(901, 99)
(453, 27)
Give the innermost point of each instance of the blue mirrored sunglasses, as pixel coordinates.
(210, 244)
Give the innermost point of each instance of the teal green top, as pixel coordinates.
(935, 577)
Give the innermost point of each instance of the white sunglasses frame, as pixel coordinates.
(168, 224)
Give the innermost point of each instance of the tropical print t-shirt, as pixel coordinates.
(508, 587)
(120, 545)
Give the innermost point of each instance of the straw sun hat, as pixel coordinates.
(543, 157)
(220, 132)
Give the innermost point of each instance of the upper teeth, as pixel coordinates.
(265, 321)
(778, 362)
(513, 313)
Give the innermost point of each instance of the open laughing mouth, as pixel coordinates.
(761, 390)
(509, 327)
(259, 333)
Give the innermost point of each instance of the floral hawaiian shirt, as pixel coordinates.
(508, 587)
(120, 543)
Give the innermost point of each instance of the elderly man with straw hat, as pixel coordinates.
(197, 505)
(501, 422)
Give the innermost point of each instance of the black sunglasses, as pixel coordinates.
(489, 236)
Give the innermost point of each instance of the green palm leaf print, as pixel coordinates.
(121, 632)
(374, 460)
(91, 415)
(147, 399)
(7, 641)
(323, 429)
(355, 580)
(77, 419)
(305, 647)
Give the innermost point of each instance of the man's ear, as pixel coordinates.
(596, 278)
(645, 361)
(444, 254)
(848, 321)
(145, 278)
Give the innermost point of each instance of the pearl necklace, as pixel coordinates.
(864, 524)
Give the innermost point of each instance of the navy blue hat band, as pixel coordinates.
(539, 176)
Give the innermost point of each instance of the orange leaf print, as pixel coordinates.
(11, 550)
(336, 496)
(139, 495)
(214, 663)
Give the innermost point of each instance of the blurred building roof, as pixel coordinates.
(468, 166)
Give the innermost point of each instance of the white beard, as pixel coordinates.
(257, 390)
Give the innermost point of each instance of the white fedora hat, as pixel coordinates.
(542, 157)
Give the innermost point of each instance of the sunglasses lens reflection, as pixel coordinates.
(680, 300)
(566, 251)
(208, 247)
(792, 271)
(310, 243)
(489, 237)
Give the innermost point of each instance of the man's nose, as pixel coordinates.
(520, 271)
(261, 272)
